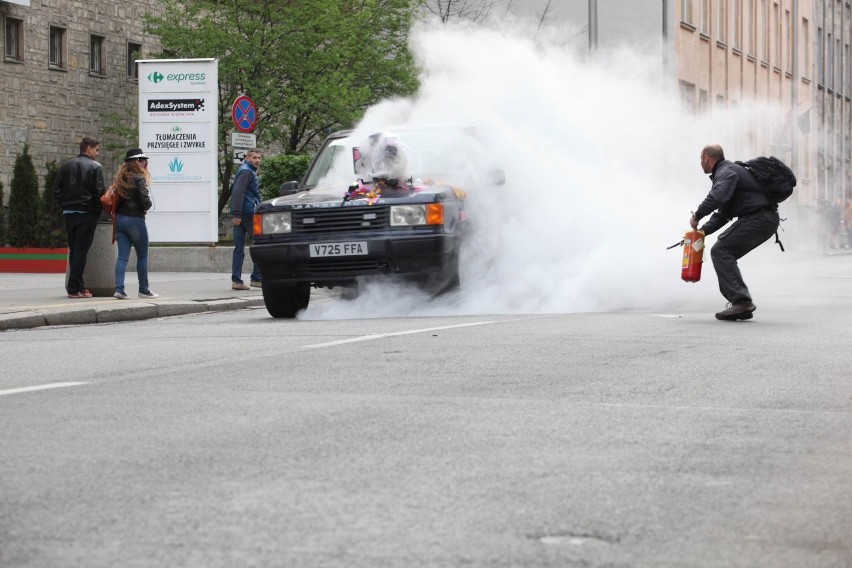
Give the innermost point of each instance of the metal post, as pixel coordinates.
(666, 37)
(593, 25)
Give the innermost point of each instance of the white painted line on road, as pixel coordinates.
(39, 387)
(384, 335)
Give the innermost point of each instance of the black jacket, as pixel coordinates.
(137, 202)
(79, 185)
(735, 193)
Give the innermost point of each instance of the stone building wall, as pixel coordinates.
(53, 109)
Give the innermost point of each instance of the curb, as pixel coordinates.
(125, 312)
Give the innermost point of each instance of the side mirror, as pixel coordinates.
(498, 177)
(288, 188)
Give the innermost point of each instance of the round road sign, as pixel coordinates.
(244, 114)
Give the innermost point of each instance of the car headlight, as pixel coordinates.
(414, 215)
(274, 223)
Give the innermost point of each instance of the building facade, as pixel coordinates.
(832, 101)
(68, 71)
(730, 52)
(792, 55)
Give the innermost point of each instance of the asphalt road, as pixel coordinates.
(601, 439)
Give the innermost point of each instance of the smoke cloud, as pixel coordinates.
(602, 170)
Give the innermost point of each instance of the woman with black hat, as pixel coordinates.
(131, 187)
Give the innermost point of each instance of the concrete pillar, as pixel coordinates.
(99, 275)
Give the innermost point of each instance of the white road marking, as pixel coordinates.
(39, 387)
(383, 335)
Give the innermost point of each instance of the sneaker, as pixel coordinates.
(84, 293)
(120, 295)
(741, 311)
(256, 284)
(149, 294)
(239, 286)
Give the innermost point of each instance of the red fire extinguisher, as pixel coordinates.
(693, 253)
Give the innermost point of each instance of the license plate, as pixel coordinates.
(338, 249)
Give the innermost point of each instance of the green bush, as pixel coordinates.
(51, 224)
(279, 169)
(2, 218)
(23, 203)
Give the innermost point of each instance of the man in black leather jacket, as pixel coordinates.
(735, 194)
(78, 188)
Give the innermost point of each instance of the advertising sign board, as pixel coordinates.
(178, 130)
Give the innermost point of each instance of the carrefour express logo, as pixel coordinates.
(156, 77)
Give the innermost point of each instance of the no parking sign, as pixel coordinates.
(244, 114)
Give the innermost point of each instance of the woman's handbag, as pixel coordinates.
(109, 201)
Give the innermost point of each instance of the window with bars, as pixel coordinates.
(764, 29)
(14, 39)
(737, 31)
(751, 28)
(686, 11)
(788, 31)
(687, 96)
(820, 55)
(134, 50)
(97, 59)
(722, 21)
(777, 56)
(56, 52)
(806, 49)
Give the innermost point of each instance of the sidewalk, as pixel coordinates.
(34, 300)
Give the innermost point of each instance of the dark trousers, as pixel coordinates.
(80, 228)
(746, 234)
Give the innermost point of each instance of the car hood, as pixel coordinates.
(334, 197)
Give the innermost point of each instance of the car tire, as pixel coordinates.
(448, 279)
(286, 301)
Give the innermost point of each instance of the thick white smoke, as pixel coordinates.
(602, 170)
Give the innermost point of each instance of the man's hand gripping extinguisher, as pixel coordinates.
(693, 254)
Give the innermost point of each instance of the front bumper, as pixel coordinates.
(409, 255)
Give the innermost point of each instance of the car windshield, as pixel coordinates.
(447, 152)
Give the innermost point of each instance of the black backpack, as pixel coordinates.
(776, 178)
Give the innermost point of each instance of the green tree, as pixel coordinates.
(279, 169)
(120, 134)
(2, 218)
(23, 202)
(310, 66)
(51, 224)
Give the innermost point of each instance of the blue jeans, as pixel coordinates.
(131, 230)
(240, 233)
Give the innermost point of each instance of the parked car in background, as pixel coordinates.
(381, 206)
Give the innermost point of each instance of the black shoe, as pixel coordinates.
(741, 311)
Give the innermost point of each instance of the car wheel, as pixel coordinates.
(448, 278)
(286, 301)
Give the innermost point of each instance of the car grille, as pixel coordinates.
(340, 267)
(340, 219)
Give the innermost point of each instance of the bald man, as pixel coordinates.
(735, 194)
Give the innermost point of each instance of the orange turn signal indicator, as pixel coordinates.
(434, 213)
(257, 225)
